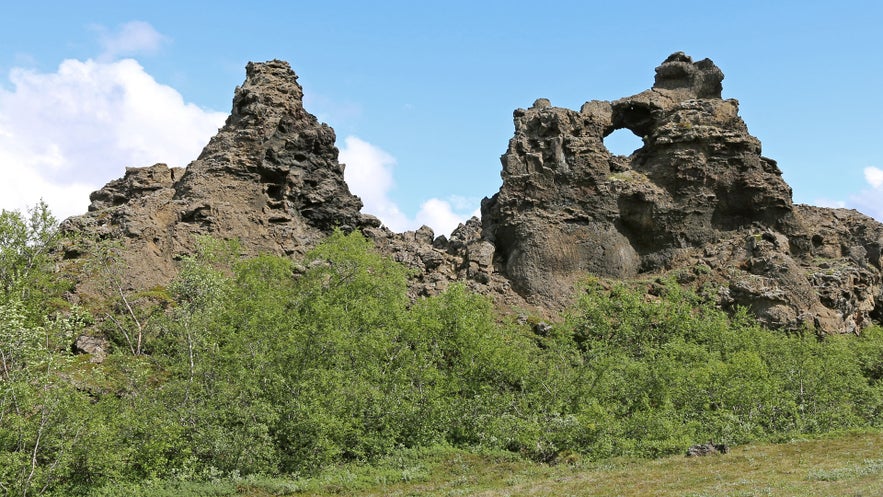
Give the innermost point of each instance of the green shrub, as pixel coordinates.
(256, 368)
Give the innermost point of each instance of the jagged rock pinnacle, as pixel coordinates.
(270, 178)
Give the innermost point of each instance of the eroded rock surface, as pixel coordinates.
(698, 193)
(270, 178)
(697, 201)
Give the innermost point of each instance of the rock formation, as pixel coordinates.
(698, 202)
(698, 194)
(270, 178)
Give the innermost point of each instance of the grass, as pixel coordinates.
(845, 465)
(848, 464)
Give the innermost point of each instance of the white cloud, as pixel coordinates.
(440, 215)
(66, 133)
(874, 176)
(369, 174)
(870, 201)
(131, 38)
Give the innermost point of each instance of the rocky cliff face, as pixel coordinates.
(567, 205)
(270, 178)
(698, 201)
(698, 194)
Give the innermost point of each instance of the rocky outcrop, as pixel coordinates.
(697, 202)
(568, 206)
(697, 194)
(269, 178)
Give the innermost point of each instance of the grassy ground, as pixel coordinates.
(843, 465)
(846, 465)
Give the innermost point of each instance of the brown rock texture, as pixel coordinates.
(698, 194)
(269, 178)
(697, 202)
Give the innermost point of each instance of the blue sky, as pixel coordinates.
(421, 94)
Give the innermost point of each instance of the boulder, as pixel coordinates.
(707, 449)
(95, 347)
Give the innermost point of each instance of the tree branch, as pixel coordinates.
(123, 329)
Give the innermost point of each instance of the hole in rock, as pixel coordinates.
(622, 142)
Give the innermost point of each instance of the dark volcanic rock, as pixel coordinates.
(707, 449)
(568, 206)
(269, 178)
(698, 192)
(697, 202)
(96, 347)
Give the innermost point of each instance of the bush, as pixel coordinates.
(706, 375)
(262, 367)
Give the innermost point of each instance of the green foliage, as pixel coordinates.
(24, 240)
(39, 429)
(26, 268)
(201, 280)
(328, 363)
(247, 369)
(675, 369)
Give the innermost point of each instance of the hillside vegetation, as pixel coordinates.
(264, 368)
